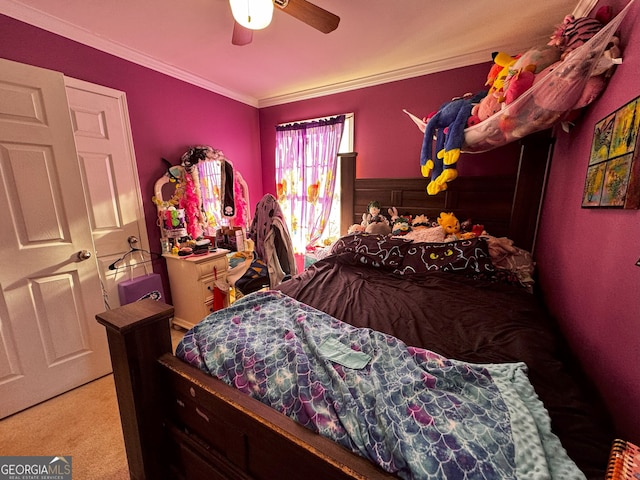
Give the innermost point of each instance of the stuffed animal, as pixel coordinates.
(449, 223)
(447, 125)
(451, 227)
(401, 226)
(355, 228)
(518, 81)
(470, 230)
(575, 32)
(373, 221)
(378, 228)
(500, 70)
(420, 221)
(393, 213)
(485, 108)
(540, 57)
(373, 215)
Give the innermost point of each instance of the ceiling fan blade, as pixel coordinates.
(311, 14)
(241, 35)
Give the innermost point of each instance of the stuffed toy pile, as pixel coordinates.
(573, 78)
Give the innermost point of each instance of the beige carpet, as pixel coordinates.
(83, 423)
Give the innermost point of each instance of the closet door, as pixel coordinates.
(100, 121)
(49, 285)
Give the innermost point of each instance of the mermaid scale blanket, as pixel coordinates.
(411, 411)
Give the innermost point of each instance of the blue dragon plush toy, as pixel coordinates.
(448, 125)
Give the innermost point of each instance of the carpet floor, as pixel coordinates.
(83, 423)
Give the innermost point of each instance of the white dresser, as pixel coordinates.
(192, 280)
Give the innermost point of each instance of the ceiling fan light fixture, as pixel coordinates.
(253, 14)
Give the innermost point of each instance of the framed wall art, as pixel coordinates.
(613, 175)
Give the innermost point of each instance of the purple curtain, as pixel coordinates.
(306, 159)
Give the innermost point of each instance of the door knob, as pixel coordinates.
(84, 254)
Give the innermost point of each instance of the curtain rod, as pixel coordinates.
(346, 115)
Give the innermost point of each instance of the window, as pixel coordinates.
(306, 170)
(332, 229)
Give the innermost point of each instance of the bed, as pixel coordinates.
(462, 331)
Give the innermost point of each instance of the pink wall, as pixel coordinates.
(387, 141)
(167, 115)
(587, 256)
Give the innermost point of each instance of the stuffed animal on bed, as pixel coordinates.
(451, 226)
(355, 228)
(373, 221)
(421, 221)
(447, 125)
(469, 230)
(373, 215)
(449, 223)
(401, 226)
(379, 228)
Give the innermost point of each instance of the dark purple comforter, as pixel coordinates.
(467, 319)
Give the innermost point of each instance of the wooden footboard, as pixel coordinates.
(179, 422)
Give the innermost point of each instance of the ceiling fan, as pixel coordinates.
(246, 16)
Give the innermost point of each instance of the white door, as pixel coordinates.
(49, 283)
(100, 120)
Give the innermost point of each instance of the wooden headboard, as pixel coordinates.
(508, 206)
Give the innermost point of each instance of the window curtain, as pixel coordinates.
(306, 159)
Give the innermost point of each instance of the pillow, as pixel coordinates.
(468, 257)
(378, 251)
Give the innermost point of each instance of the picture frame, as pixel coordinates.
(613, 173)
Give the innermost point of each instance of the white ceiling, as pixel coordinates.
(377, 41)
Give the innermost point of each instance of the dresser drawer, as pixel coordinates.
(207, 289)
(211, 267)
(208, 286)
(192, 280)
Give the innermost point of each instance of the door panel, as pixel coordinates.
(48, 295)
(101, 129)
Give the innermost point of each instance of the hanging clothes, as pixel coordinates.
(272, 241)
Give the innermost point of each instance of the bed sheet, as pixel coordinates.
(413, 412)
(472, 320)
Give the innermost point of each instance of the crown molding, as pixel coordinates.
(373, 80)
(65, 29)
(441, 65)
(582, 9)
(60, 27)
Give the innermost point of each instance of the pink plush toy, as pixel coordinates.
(487, 107)
(518, 82)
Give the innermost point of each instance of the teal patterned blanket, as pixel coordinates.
(411, 411)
